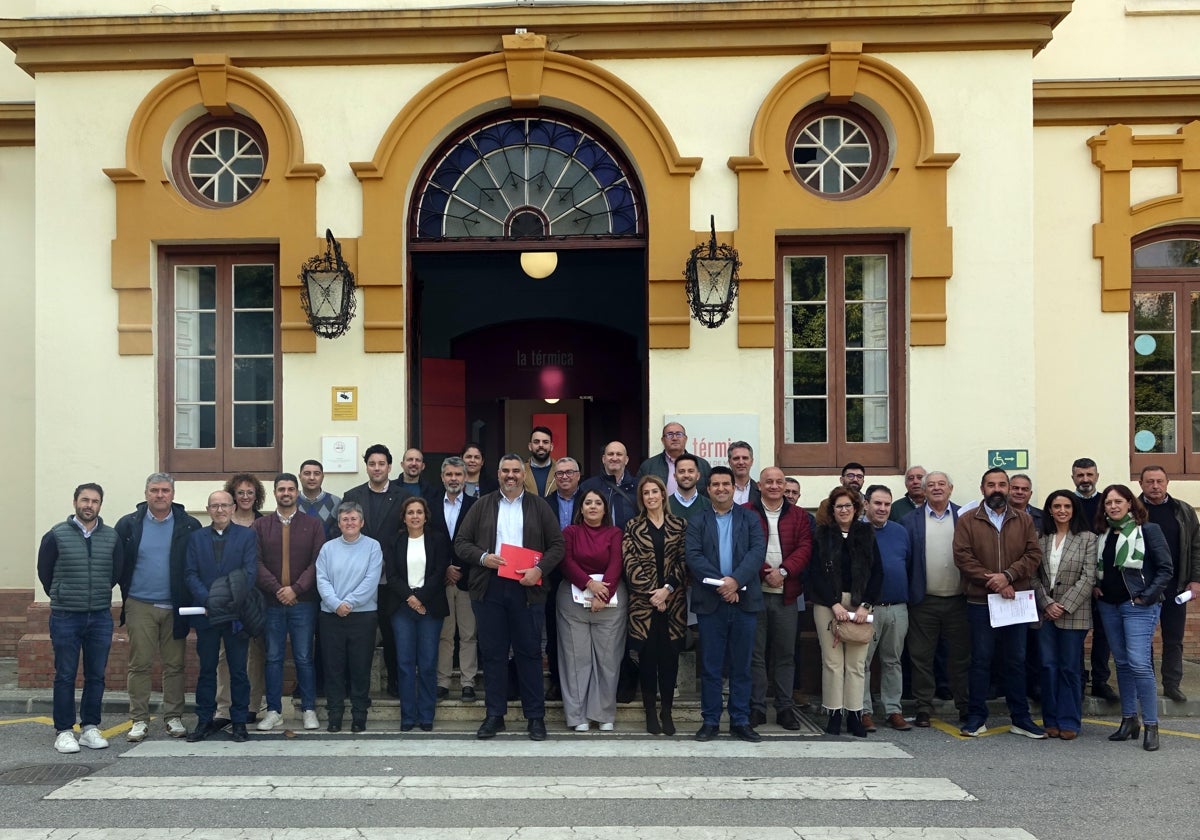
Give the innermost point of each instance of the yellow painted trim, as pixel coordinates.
(1110, 101)
(592, 31)
(911, 195)
(527, 73)
(16, 124)
(1116, 151)
(149, 209)
(49, 721)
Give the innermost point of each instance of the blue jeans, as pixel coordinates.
(983, 645)
(208, 649)
(298, 621)
(1061, 676)
(1130, 632)
(416, 664)
(726, 633)
(71, 632)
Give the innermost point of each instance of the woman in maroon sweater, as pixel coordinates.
(591, 630)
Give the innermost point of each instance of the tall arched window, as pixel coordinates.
(528, 176)
(1164, 348)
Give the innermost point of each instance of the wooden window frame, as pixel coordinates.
(872, 130)
(829, 456)
(224, 459)
(1184, 463)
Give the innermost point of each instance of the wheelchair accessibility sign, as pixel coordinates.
(1008, 459)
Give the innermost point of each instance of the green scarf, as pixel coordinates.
(1130, 549)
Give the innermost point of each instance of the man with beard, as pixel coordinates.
(674, 441)
(1085, 475)
(615, 484)
(687, 500)
(853, 476)
(996, 551)
(539, 468)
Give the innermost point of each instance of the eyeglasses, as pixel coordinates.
(853, 475)
(245, 494)
(564, 473)
(221, 506)
(674, 435)
(843, 507)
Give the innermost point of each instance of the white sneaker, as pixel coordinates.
(92, 739)
(310, 719)
(583, 727)
(175, 728)
(66, 743)
(138, 731)
(607, 727)
(269, 721)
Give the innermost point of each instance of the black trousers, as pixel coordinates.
(1172, 619)
(504, 619)
(658, 665)
(384, 617)
(349, 646)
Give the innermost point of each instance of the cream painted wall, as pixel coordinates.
(17, 348)
(1100, 39)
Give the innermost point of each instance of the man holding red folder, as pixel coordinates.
(512, 539)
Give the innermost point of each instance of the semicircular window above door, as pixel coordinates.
(527, 177)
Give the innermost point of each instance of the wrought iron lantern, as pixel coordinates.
(327, 291)
(711, 279)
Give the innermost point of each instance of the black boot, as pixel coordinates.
(652, 720)
(668, 725)
(855, 725)
(1128, 730)
(1150, 742)
(834, 727)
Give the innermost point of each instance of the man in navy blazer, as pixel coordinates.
(223, 548)
(725, 551)
(446, 511)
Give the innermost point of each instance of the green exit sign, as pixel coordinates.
(1008, 459)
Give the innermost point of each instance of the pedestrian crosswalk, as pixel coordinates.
(275, 775)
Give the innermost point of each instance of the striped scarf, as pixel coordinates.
(1130, 549)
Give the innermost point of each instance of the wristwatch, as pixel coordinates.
(868, 605)
(782, 572)
(670, 589)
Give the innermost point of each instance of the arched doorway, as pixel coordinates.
(493, 350)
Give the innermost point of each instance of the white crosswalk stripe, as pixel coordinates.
(615, 832)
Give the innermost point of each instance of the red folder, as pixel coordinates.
(517, 560)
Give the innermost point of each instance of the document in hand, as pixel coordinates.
(582, 596)
(517, 560)
(1006, 611)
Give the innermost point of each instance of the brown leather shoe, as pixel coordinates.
(1053, 732)
(868, 723)
(1066, 734)
(922, 720)
(897, 722)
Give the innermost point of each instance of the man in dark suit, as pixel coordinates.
(725, 553)
(222, 549)
(382, 502)
(507, 610)
(446, 515)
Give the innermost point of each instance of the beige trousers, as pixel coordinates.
(843, 666)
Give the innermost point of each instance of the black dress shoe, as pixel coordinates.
(707, 732)
(359, 725)
(744, 732)
(922, 720)
(788, 720)
(468, 694)
(334, 726)
(1175, 694)
(426, 727)
(490, 726)
(443, 693)
(554, 692)
(239, 733)
(407, 727)
(203, 730)
(668, 724)
(217, 724)
(1104, 692)
(537, 729)
(757, 718)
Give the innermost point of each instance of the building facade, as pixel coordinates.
(966, 232)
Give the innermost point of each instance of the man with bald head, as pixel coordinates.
(789, 547)
(674, 441)
(615, 484)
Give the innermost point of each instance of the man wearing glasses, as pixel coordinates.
(853, 476)
(674, 441)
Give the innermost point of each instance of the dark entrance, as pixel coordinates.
(492, 347)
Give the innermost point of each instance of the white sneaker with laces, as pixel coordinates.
(92, 739)
(175, 728)
(66, 743)
(269, 721)
(138, 731)
(310, 719)
(583, 727)
(607, 727)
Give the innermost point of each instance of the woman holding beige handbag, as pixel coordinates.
(844, 580)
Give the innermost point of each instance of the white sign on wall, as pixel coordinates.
(709, 435)
(339, 453)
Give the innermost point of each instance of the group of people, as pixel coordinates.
(610, 571)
